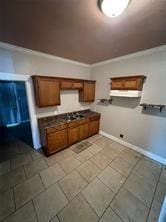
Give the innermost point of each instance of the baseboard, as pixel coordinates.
(136, 148)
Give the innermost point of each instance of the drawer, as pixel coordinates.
(77, 85)
(66, 84)
(78, 122)
(56, 128)
(70, 84)
(94, 117)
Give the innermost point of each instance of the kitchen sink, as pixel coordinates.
(77, 116)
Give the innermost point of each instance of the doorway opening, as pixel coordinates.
(14, 113)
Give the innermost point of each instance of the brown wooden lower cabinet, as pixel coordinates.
(61, 136)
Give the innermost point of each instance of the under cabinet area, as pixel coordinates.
(57, 133)
(47, 89)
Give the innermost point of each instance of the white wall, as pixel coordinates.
(22, 61)
(145, 129)
(16, 60)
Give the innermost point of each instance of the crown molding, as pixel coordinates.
(161, 48)
(36, 53)
(48, 56)
(4, 76)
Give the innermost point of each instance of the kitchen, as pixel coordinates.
(97, 113)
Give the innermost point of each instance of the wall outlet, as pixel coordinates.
(121, 135)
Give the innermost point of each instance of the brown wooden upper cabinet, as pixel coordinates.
(127, 82)
(47, 91)
(87, 94)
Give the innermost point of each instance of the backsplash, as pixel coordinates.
(69, 103)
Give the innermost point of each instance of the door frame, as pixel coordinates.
(31, 103)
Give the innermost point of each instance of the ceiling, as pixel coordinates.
(77, 30)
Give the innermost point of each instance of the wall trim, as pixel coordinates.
(161, 48)
(37, 53)
(48, 56)
(136, 148)
(5, 76)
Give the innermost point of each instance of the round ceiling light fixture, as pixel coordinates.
(113, 8)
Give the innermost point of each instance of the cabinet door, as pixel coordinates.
(133, 84)
(56, 141)
(47, 91)
(93, 127)
(73, 135)
(88, 92)
(117, 84)
(84, 131)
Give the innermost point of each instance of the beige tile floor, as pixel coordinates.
(107, 183)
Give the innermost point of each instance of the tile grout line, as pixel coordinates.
(107, 186)
(81, 163)
(96, 177)
(30, 199)
(80, 193)
(71, 201)
(84, 177)
(120, 188)
(53, 218)
(113, 193)
(25, 172)
(89, 204)
(14, 199)
(42, 181)
(154, 193)
(37, 172)
(117, 214)
(116, 171)
(3, 219)
(81, 189)
(57, 182)
(35, 210)
(12, 187)
(63, 192)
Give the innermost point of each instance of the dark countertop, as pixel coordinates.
(61, 119)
